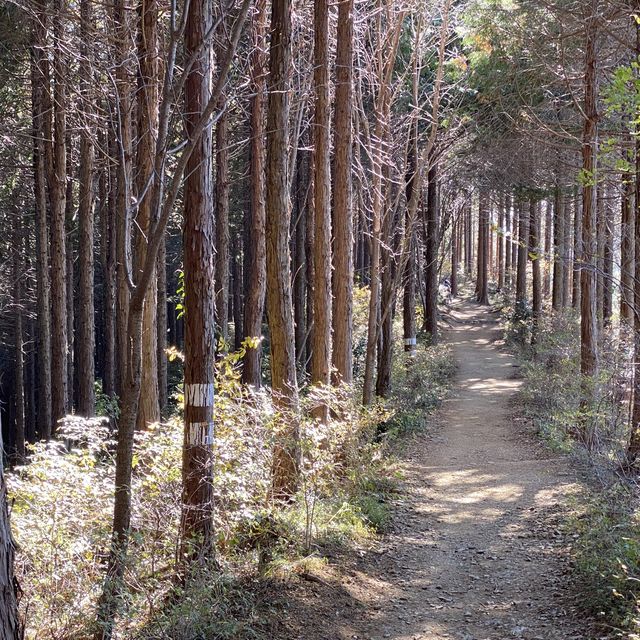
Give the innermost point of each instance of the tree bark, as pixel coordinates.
(321, 300)
(431, 256)
(255, 249)
(10, 628)
(147, 103)
(40, 79)
(523, 254)
(558, 252)
(588, 322)
(342, 222)
(199, 272)
(536, 266)
(57, 197)
(222, 217)
(86, 327)
(279, 298)
(482, 285)
(627, 252)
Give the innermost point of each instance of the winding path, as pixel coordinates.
(476, 552)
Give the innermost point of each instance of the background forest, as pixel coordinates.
(228, 231)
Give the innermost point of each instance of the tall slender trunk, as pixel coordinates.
(199, 238)
(558, 252)
(482, 288)
(627, 252)
(19, 436)
(431, 256)
(500, 239)
(523, 254)
(568, 258)
(86, 326)
(40, 79)
(508, 241)
(147, 103)
(255, 260)
(342, 218)
(222, 216)
(577, 252)
(536, 266)
(279, 296)
(588, 324)
(321, 300)
(57, 197)
(161, 270)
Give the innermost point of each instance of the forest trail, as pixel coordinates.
(475, 552)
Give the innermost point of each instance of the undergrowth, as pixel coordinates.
(591, 423)
(62, 508)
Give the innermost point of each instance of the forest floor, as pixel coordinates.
(476, 550)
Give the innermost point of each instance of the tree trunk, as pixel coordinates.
(536, 266)
(279, 298)
(57, 196)
(322, 301)
(199, 272)
(588, 325)
(500, 239)
(577, 253)
(482, 284)
(19, 436)
(161, 270)
(86, 327)
(342, 222)
(508, 241)
(627, 252)
(558, 252)
(147, 102)
(10, 628)
(523, 254)
(431, 257)
(40, 78)
(255, 260)
(222, 217)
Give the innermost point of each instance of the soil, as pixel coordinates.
(476, 551)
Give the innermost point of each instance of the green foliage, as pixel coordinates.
(606, 549)
(106, 406)
(63, 503)
(563, 407)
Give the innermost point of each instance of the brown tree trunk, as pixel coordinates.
(627, 252)
(10, 628)
(482, 284)
(577, 253)
(57, 197)
(161, 270)
(588, 324)
(500, 239)
(431, 257)
(568, 258)
(86, 327)
(342, 220)
(19, 435)
(222, 217)
(147, 103)
(40, 79)
(508, 241)
(550, 214)
(255, 260)
(634, 440)
(523, 255)
(558, 252)
(536, 266)
(200, 342)
(321, 300)
(279, 297)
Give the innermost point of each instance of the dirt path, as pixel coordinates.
(475, 553)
